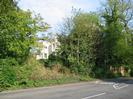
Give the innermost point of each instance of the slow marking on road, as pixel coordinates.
(115, 86)
(94, 96)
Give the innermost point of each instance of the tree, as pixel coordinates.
(79, 40)
(17, 30)
(117, 33)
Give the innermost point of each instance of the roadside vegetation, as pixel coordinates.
(92, 45)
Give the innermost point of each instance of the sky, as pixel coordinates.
(54, 11)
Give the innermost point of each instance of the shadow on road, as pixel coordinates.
(119, 80)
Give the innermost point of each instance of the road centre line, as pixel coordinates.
(94, 95)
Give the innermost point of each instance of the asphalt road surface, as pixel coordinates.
(107, 89)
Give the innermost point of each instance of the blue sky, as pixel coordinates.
(54, 11)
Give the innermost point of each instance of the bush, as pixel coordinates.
(7, 73)
(50, 62)
(30, 70)
(78, 69)
(32, 74)
(99, 73)
(131, 72)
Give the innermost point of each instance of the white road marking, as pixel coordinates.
(97, 82)
(117, 87)
(122, 87)
(107, 83)
(94, 96)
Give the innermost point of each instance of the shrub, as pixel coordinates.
(7, 72)
(131, 72)
(30, 70)
(99, 73)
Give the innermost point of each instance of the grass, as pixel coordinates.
(50, 82)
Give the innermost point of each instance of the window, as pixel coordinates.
(45, 47)
(45, 55)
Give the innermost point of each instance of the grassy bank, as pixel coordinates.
(49, 82)
(33, 74)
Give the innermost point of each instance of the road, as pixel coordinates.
(107, 89)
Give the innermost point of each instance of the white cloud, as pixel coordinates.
(53, 11)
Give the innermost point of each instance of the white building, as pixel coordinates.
(47, 48)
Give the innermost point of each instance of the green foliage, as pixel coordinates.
(78, 42)
(17, 30)
(51, 61)
(7, 73)
(87, 47)
(99, 73)
(85, 78)
(17, 36)
(32, 74)
(131, 71)
(116, 48)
